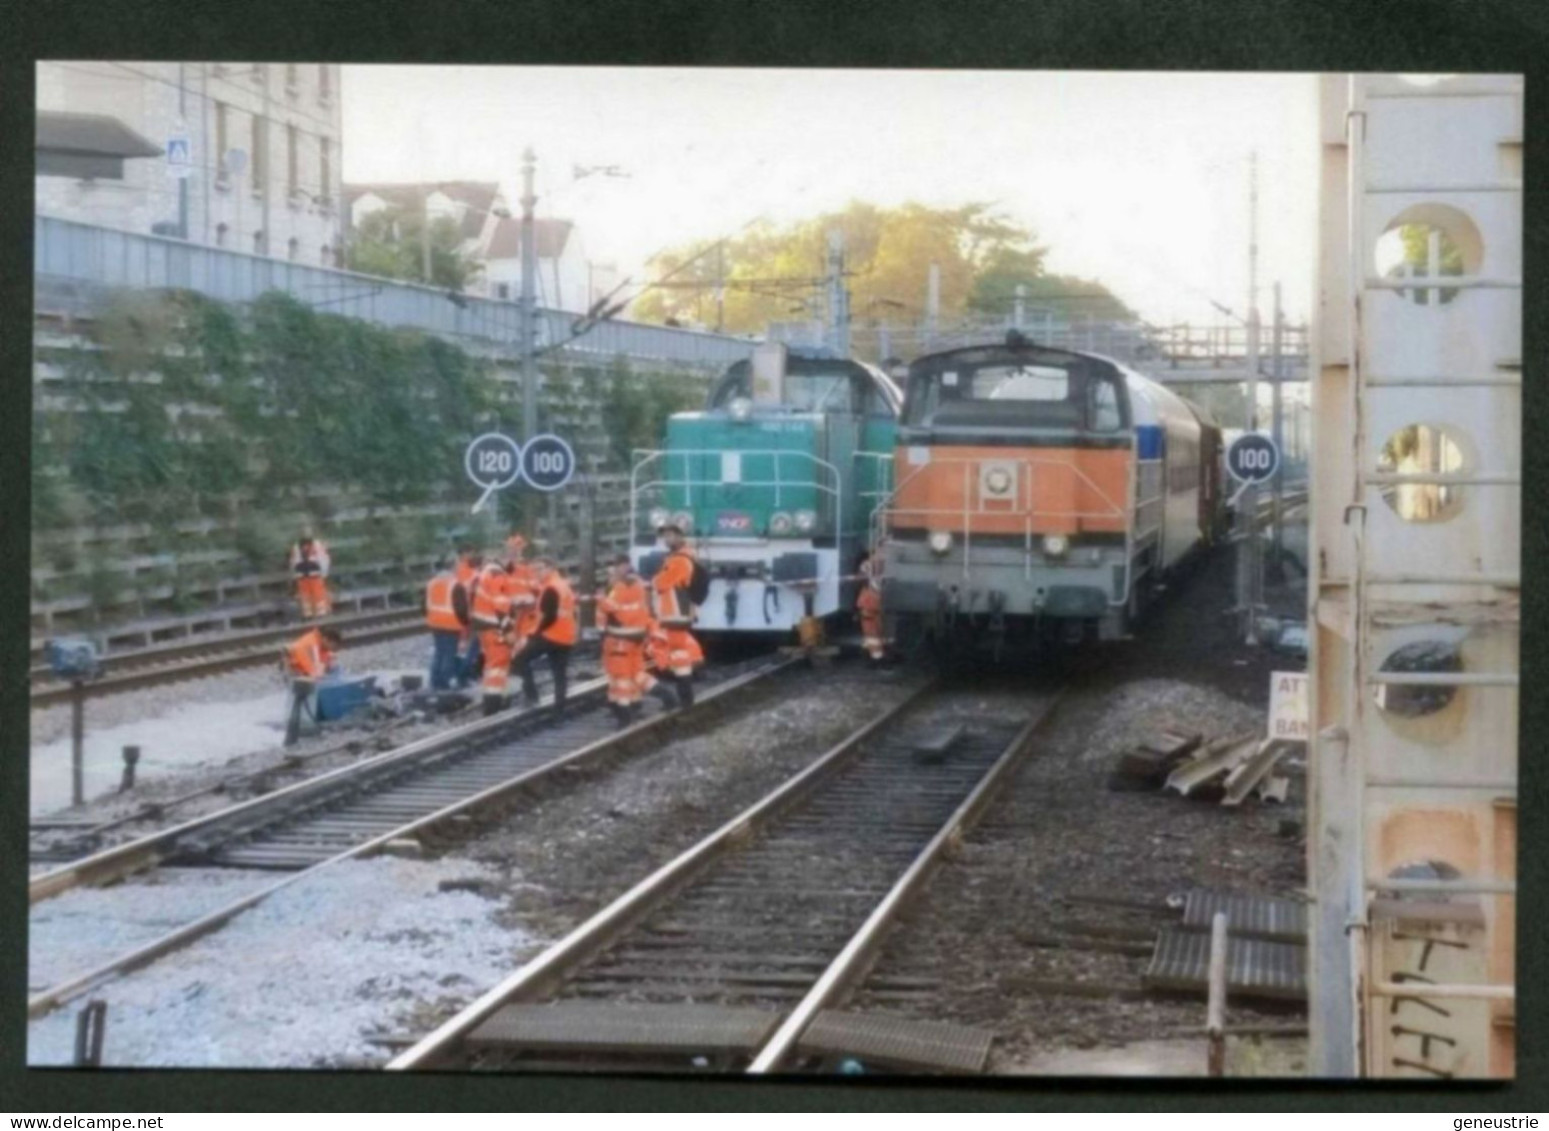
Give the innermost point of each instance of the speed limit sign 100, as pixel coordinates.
(1253, 458)
(547, 462)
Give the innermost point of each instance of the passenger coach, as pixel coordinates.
(1040, 493)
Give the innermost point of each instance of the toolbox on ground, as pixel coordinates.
(338, 696)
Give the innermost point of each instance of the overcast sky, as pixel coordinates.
(1137, 179)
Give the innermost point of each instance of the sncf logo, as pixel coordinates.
(734, 522)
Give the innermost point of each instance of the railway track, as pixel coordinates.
(740, 952)
(195, 659)
(416, 797)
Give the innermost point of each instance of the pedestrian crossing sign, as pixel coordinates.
(179, 158)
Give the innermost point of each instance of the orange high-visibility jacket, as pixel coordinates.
(624, 612)
(564, 629)
(492, 599)
(669, 586)
(440, 610)
(522, 587)
(309, 655)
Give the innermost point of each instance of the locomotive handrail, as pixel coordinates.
(884, 462)
(688, 484)
(1116, 510)
(966, 513)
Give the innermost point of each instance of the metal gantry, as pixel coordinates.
(1416, 517)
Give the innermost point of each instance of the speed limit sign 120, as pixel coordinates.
(493, 461)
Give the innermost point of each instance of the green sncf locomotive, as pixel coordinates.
(775, 483)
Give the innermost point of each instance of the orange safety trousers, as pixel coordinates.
(869, 606)
(312, 594)
(498, 651)
(675, 650)
(624, 663)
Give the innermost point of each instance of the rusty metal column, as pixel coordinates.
(1277, 424)
(1336, 893)
(1215, 1014)
(529, 300)
(77, 741)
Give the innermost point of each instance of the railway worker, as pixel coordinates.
(307, 660)
(675, 652)
(868, 608)
(470, 665)
(489, 616)
(624, 618)
(446, 615)
(523, 585)
(309, 564)
(554, 634)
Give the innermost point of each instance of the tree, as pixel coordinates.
(775, 274)
(1416, 241)
(1068, 297)
(389, 243)
(1417, 251)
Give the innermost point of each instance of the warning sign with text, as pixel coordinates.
(1288, 706)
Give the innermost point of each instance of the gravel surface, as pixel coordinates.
(1016, 909)
(233, 781)
(196, 724)
(568, 857)
(305, 977)
(321, 965)
(392, 945)
(83, 928)
(408, 653)
(212, 740)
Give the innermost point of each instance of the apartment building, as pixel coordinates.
(245, 156)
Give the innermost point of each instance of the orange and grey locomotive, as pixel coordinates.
(1040, 494)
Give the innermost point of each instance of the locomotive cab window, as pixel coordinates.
(820, 392)
(801, 392)
(1017, 394)
(1103, 407)
(877, 403)
(1023, 383)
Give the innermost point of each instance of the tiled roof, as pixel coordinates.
(479, 196)
(550, 237)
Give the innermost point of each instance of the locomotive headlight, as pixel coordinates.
(740, 409)
(940, 541)
(780, 523)
(684, 520)
(659, 517)
(1055, 545)
(997, 480)
(806, 520)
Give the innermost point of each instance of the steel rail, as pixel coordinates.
(851, 964)
(41, 1003)
(150, 811)
(201, 643)
(553, 965)
(252, 653)
(146, 852)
